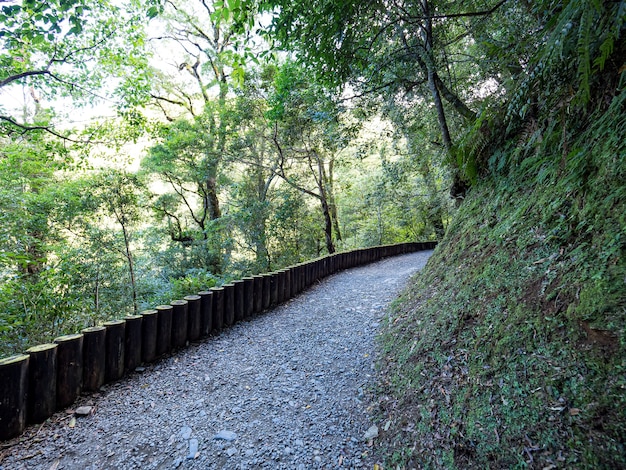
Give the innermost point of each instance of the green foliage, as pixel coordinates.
(508, 351)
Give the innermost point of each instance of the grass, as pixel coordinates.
(508, 350)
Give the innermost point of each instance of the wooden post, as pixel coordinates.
(69, 369)
(239, 300)
(194, 320)
(132, 342)
(288, 291)
(274, 287)
(229, 304)
(114, 350)
(266, 291)
(13, 394)
(42, 382)
(258, 293)
(218, 308)
(164, 329)
(94, 353)
(180, 323)
(248, 296)
(149, 326)
(206, 311)
(280, 281)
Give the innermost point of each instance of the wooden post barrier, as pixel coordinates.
(258, 293)
(218, 308)
(194, 320)
(248, 297)
(69, 369)
(282, 286)
(133, 342)
(94, 353)
(114, 350)
(266, 291)
(180, 323)
(164, 329)
(239, 300)
(42, 382)
(13, 393)
(229, 304)
(274, 287)
(149, 325)
(206, 312)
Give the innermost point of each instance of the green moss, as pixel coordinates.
(509, 349)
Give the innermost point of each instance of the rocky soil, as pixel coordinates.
(290, 389)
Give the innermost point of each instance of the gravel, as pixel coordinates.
(289, 389)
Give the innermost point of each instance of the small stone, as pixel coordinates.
(299, 442)
(231, 451)
(185, 432)
(140, 369)
(193, 449)
(225, 436)
(83, 410)
(371, 433)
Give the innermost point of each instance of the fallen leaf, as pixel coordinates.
(574, 411)
(55, 465)
(72, 423)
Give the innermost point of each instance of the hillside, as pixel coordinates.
(508, 350)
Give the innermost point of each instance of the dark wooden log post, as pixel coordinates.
(149, 326)
(180, 323)
(194, 320)
(274, 288)
(218, 308)
(132, 343)
(42, 382)
(258, 293)
(248, 296)
(13, 395)
(288, 287)
(69, 369)
(229, 304)
(206, 311)
(114, 355)
(164, 329)
(282, 284)
(266, 290)
(239, 300)
(94, 353)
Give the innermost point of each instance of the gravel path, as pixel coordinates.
(287, 390)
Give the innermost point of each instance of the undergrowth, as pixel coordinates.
(508, 351)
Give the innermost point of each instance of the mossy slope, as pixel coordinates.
(509, 349)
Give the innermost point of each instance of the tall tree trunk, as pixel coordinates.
(331, 199)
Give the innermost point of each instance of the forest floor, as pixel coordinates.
(292, 388)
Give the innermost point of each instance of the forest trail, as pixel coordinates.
(289, 389)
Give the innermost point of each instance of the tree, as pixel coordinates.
(310, 129)
(71, 49)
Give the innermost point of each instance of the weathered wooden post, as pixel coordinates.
(239, 300)
(194, 320)
(164, 329)
(132, 342)
(218, 308)
(266, 290)
(258, 293)
(248, 296)
(114, 350)
(13, 395)
(288, 285)
(229, 304)
(94, 353)
(206, 311)
(69, 369)
(274, 288)
(180, 323)
(149, 326)
(42, 382)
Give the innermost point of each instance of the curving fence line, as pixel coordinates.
(50, 377)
